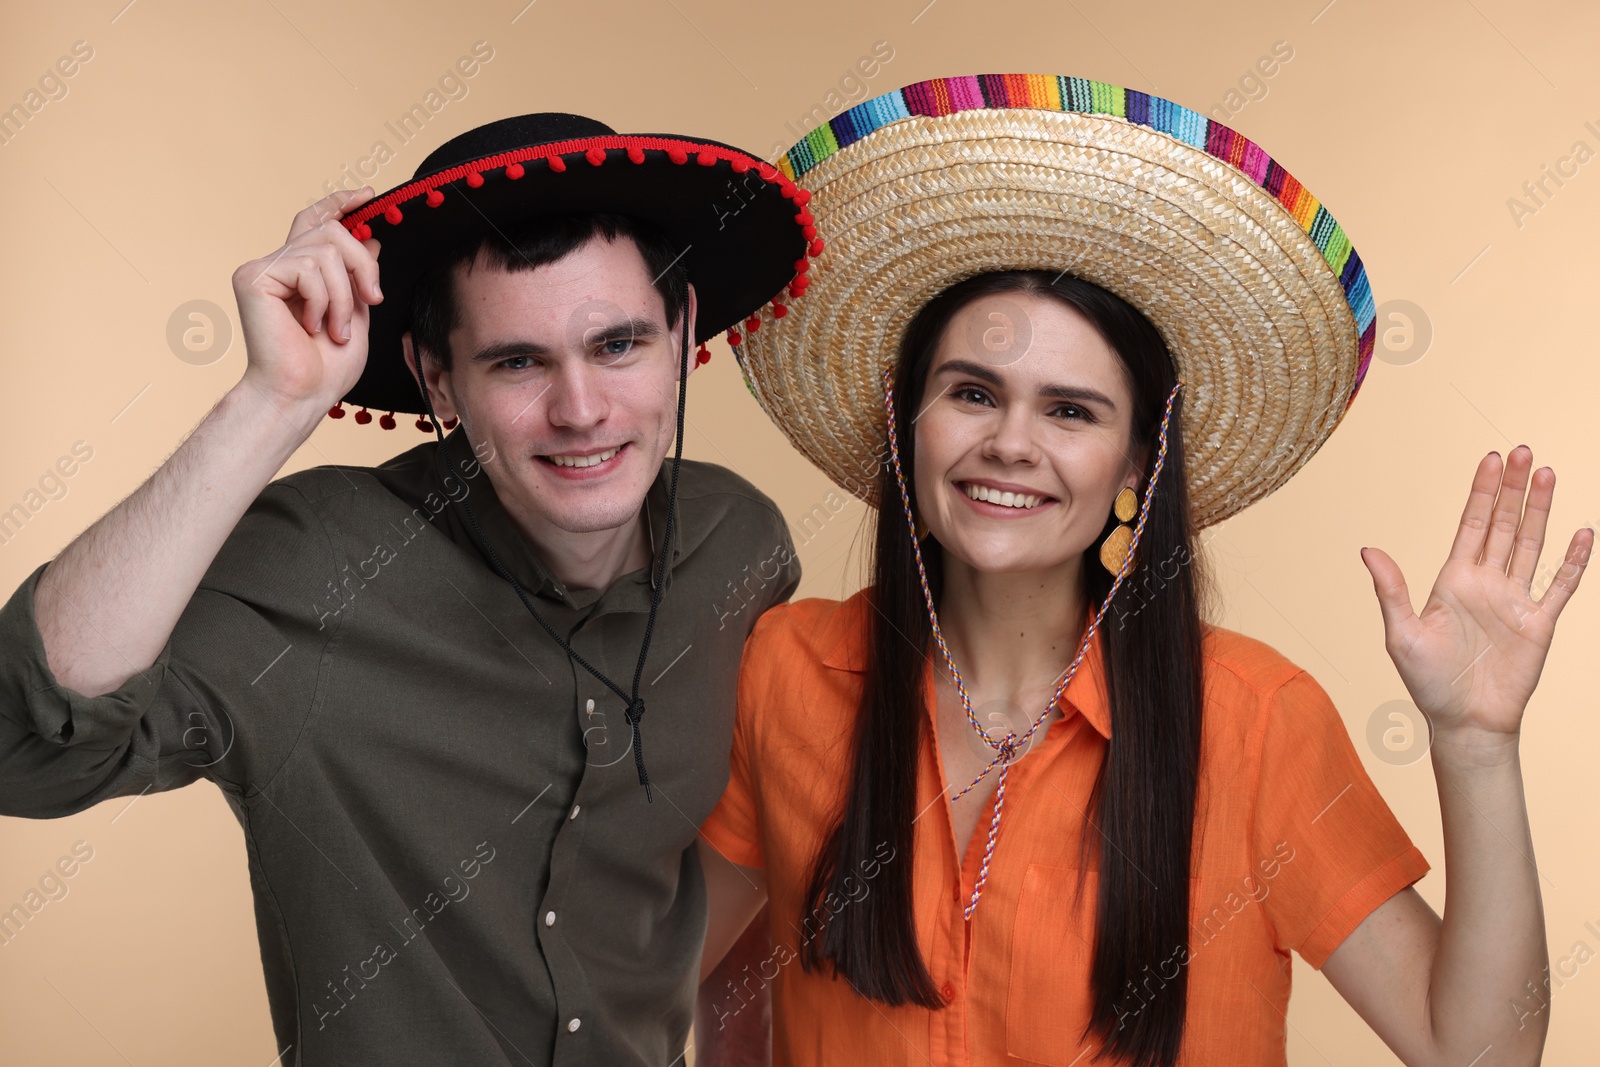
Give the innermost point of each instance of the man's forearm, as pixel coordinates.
(1488, 983)
(108, 603)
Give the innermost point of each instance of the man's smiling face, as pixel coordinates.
(565, 379)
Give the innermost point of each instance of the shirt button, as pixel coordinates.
(948, 991)
(549, 918)
(574, 813)
(572, 1027)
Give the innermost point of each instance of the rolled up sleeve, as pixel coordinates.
(224, 700)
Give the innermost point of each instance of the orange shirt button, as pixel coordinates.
(948, 991)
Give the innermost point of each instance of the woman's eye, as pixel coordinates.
(969, 394)
(1074, 412)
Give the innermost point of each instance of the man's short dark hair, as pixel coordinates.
(535, 243)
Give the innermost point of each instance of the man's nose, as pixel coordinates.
(577, 400)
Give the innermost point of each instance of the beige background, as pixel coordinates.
(182, 148)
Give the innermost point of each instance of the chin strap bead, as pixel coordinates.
(337, 411)
(387, 421)
(363, 417)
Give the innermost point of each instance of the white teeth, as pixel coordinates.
(582, 461)
(1005, 500)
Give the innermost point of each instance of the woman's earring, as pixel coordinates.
(1114, 549)
(922, 529)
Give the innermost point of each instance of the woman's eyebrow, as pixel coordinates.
(1056, 392)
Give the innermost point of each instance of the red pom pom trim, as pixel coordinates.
(392, 214)
(475, 179)
(450, 423)
(435, 198)
(808, 232)
(778, 310)
(635, 154)
(424, 425)
(362, 231)
(802, 264)
(752, 324)
(741, 165)
(386, 421)
(706, 158)
(816, 248)
(703, 356)
(337, 411)
(677, 154)
(363, 417)
(514, 171)
(802, 197)
(595, 156)
(734, 338)
(558, 164)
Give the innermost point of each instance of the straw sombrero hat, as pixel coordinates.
(1255, 288)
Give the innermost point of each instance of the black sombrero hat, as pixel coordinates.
(743, 225)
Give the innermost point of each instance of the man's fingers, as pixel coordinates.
(336, 282)
(303, 274)
(333, 206)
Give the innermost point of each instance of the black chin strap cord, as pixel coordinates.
(634, 703)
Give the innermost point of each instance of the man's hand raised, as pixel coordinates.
(305, 307)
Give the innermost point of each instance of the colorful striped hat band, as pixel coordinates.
(1262, 301)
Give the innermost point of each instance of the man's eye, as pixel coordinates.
(616, 347)
(516, 362)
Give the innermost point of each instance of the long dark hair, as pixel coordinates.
(1142, 808)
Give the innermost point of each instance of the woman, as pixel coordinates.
(1017, 800)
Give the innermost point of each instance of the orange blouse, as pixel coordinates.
(1294, 846)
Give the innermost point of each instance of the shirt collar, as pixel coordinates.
(518, 555)
(1085, 694)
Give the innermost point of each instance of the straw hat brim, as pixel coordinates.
(1261, 328)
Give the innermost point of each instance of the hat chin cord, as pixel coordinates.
(633, 702)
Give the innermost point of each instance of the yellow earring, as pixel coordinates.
(1114, 549)
(922, 528)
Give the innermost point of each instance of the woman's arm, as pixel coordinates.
(733, 1018)
(1472, 988)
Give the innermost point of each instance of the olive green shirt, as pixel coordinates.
(452, 858)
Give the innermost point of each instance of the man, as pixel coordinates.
(422, 686)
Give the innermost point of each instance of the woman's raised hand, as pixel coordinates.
(1472, 657)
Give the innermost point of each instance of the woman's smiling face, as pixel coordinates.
(1021, 434)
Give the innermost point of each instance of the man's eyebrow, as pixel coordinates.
(627, 329)
(1058, 392)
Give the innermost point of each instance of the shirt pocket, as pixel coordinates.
(1052, 949)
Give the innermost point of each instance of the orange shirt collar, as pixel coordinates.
(1086, 693)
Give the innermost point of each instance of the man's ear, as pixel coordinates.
(688, 324)
(438, 379)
